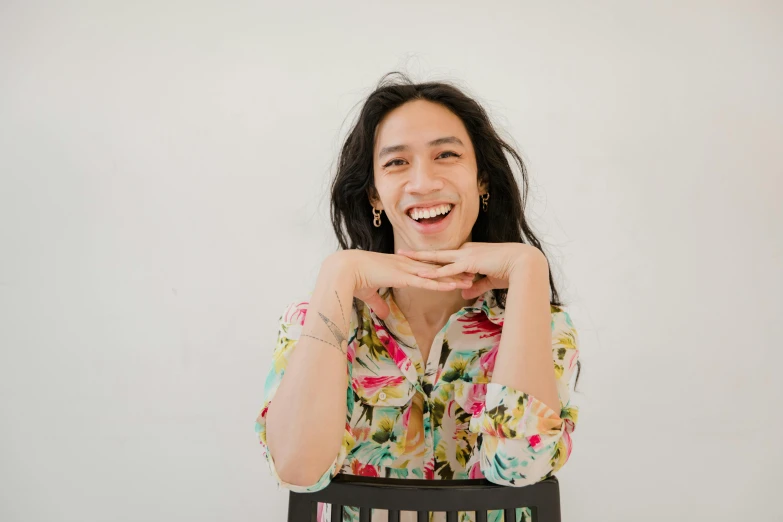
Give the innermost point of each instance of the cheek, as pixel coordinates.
(465, 176)
(471, 211)
(389, 193)
(471, 204)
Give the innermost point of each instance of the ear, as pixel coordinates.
(375, 201)
(483, 184)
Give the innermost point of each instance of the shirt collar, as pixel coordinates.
(403, 355)
(489, 305)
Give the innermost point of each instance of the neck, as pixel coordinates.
(428, 307)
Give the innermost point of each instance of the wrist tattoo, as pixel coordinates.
(342, 351)
(342, 341)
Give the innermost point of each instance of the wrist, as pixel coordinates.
(339, 268)
(530, 263)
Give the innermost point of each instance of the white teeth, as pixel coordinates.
(418, 214)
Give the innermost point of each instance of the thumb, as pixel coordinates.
(478, 288)
(376, 304)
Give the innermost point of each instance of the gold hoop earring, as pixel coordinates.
(376, 220)
(484, 201)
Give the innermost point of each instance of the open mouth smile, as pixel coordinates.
(430, 219)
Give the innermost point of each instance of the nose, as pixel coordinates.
(423, 179)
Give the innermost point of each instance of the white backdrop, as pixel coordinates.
(164, 194)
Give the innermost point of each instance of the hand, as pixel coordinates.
(495, 261)
(371, 271)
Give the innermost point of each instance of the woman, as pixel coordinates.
(434, 344)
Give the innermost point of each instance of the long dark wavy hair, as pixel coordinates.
(504, 221)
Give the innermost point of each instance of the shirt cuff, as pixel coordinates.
(511, 414)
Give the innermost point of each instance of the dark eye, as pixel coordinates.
(449, 153)
(394, 163)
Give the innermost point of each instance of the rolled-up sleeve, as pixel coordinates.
(290, 327)
(523, 440)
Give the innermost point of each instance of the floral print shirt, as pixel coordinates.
(442, 418)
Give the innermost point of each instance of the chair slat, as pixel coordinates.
(301, 509)
(451, 497)
(337, 513)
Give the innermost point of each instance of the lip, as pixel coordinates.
(432, 228)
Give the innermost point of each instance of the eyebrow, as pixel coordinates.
(434, 143)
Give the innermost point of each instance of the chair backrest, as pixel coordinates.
(425, 496)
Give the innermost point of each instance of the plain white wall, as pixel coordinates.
(164, 194)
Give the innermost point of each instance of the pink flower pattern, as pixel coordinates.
(462, 406)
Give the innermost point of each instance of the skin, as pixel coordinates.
(425, 170)
(432, 277)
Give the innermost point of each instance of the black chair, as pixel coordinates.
(425, 496)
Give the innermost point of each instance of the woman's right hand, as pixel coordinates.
(372, 271)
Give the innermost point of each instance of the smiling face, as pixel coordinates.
(426, 177)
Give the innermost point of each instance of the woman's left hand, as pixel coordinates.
(497, 262)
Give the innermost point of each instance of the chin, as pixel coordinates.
(439, 244)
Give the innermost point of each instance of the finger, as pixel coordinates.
(468, 276)
(446, 271)
(462, 280)
(433, 256)
(464, 283)
(416, 265)
(456, 277)
(377, 305)
(430, 284)
(413, 266)
(478, 288)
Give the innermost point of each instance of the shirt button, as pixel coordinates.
(382, 396)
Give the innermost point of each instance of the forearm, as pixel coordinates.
(306, 418)
(524, 360)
